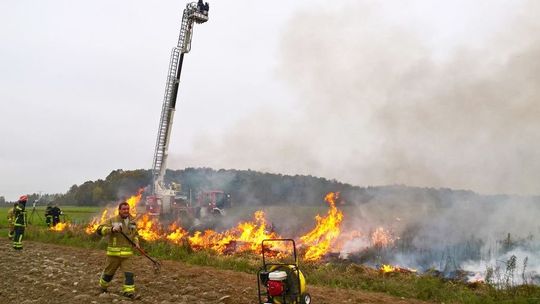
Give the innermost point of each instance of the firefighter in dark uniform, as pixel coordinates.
(119, 249)
(19, 224)
(49, 215)
(56, 212)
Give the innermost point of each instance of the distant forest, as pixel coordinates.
(249, 187)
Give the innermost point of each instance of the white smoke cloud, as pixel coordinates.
(401, 93)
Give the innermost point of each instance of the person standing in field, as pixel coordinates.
(56, 212)
(19, 223)
(119, 249)
(49, 215)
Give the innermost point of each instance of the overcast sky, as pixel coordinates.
(423, 93)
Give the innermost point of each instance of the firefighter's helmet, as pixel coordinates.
(23, 198)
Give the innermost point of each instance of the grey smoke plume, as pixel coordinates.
(380, 103)
(470, 231)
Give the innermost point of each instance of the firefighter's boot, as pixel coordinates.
(104, 281)
(128, 290)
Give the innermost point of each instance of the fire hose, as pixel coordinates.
(156, 263)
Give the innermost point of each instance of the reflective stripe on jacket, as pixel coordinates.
(20, 215)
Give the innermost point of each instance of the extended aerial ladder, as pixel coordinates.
(162, 197)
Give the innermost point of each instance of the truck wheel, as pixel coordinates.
(305, 299)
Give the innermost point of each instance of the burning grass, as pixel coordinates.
(367, 266)
(335, 273)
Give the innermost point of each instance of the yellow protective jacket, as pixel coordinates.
(118, 244)
(11, 217)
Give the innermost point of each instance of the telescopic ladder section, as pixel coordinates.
(193, 13)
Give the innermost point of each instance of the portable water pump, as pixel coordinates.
(281, 283)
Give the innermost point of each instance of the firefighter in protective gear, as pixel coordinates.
(11, 221)
(19, 213)
(49, 215)
(56, 212)
(119, 249)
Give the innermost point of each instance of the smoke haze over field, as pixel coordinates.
(386, 96)
(449, 231)
(430, 229)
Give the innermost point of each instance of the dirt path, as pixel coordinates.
(46, 273)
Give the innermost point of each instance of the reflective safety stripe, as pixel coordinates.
(20, 217)
(17, 244)
(128, 288)
(103, 283)
(119, 251)
(102, 230)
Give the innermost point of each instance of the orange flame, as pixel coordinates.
(92, 226)
(246, 236)
(211, 240)
(254, 233)
(60, 227)
(149, 228)
(177, 234)
(385, 268)
(132, 202)
(326, 231)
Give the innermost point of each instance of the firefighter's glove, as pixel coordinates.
(117, 227)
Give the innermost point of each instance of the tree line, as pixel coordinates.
(245, 186)
(248, 187)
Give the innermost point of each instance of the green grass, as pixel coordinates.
(350, 276)
(74, 214)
